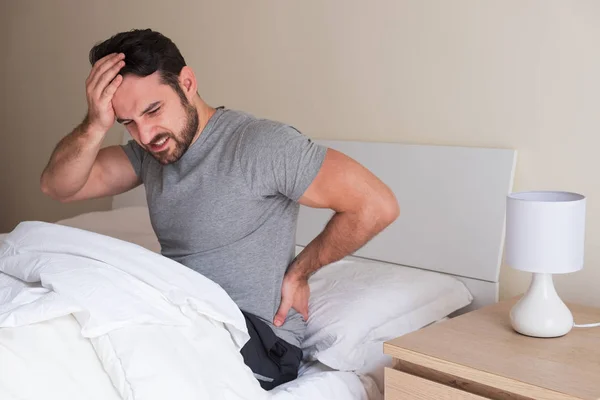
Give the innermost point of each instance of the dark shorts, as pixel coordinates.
(273, 360)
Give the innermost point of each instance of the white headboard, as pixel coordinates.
(452, 202)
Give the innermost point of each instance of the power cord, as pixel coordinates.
(586, 325)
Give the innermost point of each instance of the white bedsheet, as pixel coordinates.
(114, 319)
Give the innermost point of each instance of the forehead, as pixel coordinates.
(135, 93)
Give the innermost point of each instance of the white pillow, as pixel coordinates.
(356, 304)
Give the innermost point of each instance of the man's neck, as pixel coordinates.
(205, 112)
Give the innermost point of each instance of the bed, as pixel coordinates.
(441, 258)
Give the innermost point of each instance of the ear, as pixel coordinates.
(187, 80)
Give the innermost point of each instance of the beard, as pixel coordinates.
(182, 141)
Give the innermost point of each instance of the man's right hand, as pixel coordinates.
(100, 86)
(79, 168)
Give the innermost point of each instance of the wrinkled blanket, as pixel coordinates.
(159, 329)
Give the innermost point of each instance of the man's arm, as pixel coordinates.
(363, 206)
(78, 169)
(79, 173)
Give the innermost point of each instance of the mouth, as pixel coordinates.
(159, 145)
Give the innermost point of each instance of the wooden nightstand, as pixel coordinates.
(479, 356)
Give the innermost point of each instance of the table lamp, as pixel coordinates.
(545, 232)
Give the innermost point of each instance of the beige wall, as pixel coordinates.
(520, 74)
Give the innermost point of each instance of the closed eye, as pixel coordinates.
(154, 111)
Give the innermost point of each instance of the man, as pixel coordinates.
(223, 188)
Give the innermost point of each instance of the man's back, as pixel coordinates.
(228, 207)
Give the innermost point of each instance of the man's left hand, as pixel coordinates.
(295, 293)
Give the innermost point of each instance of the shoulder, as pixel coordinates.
(250, 127)
(269, 134)
(135, 153)
(143, 163)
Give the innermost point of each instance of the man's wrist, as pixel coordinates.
(297, 274)
(91, 130)
(302, 268)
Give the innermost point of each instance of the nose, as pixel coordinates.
(146, 133)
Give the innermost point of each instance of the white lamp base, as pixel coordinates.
(540, 312)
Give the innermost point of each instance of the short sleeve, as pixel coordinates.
(278, 159)
(136, 155)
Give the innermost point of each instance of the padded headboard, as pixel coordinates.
(452, 201)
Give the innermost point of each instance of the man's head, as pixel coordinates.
(155, 101)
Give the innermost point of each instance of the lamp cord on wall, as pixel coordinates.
(586, 325)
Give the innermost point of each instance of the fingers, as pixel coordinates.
(282, 313)
(112, 87)
(105, 62)
(302, 304)
(100, 67)
(304, 313)
(109, 76)
(96, 66)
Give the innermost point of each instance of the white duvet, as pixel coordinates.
(117, 313)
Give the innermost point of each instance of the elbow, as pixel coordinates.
(385, 211)
(49, 190)
(389, 210)
(376, 215)
(45, 185)
(394, 211)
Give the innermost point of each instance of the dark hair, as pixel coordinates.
(146, 51)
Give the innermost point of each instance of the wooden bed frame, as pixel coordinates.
(452, 202)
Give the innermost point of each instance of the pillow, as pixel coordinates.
(357, 304)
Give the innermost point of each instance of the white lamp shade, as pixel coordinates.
(545, 231)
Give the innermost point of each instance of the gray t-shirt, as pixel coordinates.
(228, 207)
